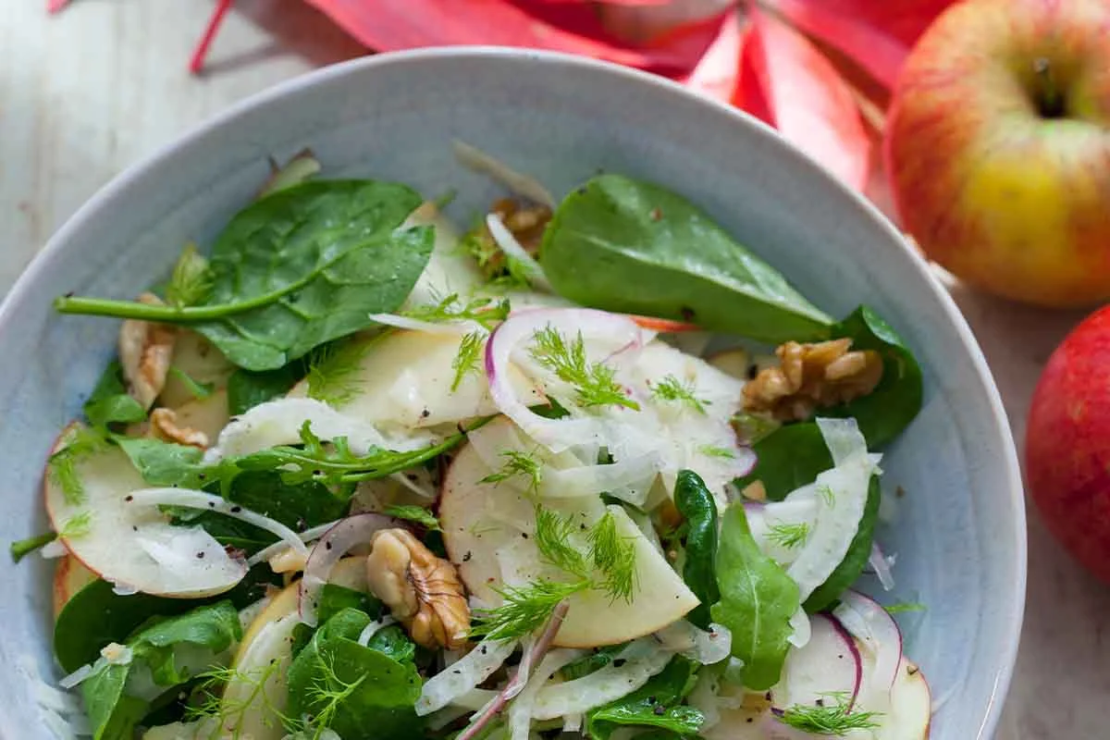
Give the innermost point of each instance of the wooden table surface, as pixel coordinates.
(92, 90)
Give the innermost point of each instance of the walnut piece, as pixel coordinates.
(526, 222)
(164, 426)
(145, 352)
(812, 376)
(422, 591)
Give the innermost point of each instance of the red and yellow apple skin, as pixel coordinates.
(997, 147)
(1067, 444)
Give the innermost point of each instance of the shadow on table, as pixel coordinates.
(294, 27)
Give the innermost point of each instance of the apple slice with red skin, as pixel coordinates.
(134, 547)
(70, 576)
(479, 541)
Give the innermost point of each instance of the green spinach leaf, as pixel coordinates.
(296, 269)
(854, 560)
(359, 692)
(245, 389)
(757, 600)
(794, 454)
(594, 661)
(699, 509)
(110, 403)
(334, 599)
(658, 703)
(96, 615)
(167, 653)
(393, 642)
(624, 245)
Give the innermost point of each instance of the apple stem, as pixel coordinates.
(1050, 101)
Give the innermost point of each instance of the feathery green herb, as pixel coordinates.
(77, 525)
(835, 720)
(594, 383)
(714, 451)
(485, 311)
(554, 538)
(327, 692)
(904, 607)
(524, 610)
(466, 360)
(670, 388)
(61, 469)
(789, 534)
(517, 462)
(335, 370)
(614, 556)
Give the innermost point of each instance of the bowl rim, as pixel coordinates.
(54, 250)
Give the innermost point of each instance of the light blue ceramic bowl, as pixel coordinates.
(960, 536)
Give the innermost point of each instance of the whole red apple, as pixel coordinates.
(997, 147)
(1067, 443)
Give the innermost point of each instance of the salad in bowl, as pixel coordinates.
(587, 468)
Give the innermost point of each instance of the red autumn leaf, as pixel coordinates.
(718, 73)
(387, 25)
(786, 81)
(877, 34)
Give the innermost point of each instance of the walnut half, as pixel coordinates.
(145, 352)
(811, 376)
(422, 591)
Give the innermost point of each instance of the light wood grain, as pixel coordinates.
(86, 93)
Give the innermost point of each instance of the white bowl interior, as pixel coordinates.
(960, 536)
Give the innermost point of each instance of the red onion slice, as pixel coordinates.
(877, 631)
(828, 664)
(336, 542)
(556, 434)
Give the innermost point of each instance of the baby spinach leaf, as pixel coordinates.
(757, 600)
(296, 269)
(96, 615)
(793, 455)
(395, 643)
(334, 599)
(109, 402)
(854, 560)
(359, 692)
(245, 389)
(789, 458)
(198, 636)
(658, 703)
(624, 245)
(699, 509)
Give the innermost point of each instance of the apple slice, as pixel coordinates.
(134, 547)
(404, 380)
(208, 415)
(199, 359)
(911, 705)
(70, 576)
(742, 716)
(450, 269)
(488, 535)
(256, 692)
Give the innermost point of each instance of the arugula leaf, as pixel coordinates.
(110, 403)
(96, 615)
(361, 693)
(417, 514)
(297, 269)
(164, 649)
(594, 661)
(854, 560)
(623, 245)
(757, 600)
(699, 509)
(793, 455)
(245, 389)
(658, 703)
(197, 389)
